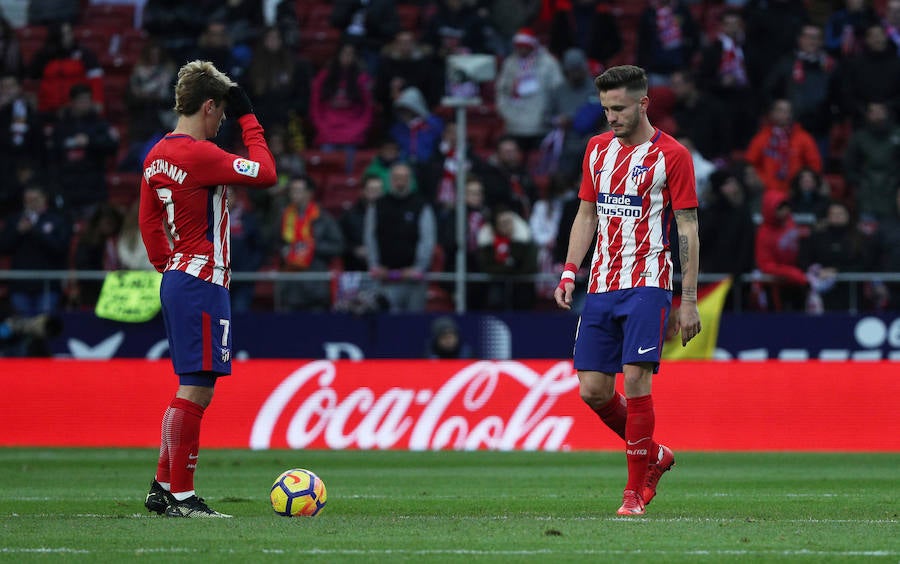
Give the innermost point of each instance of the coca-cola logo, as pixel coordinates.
(498, 405)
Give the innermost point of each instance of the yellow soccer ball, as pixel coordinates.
(298, 492)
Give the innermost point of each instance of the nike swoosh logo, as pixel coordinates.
(193, 457)
(642, 350)
(599, 171)
(632, 443)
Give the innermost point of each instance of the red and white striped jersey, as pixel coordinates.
(183, 194)
(635, 190)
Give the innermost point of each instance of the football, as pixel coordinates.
(298, 493)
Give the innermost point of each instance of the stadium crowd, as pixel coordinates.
(787, 106)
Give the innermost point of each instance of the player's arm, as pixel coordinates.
(689, 254)
(258, 169)
(150, 219)
(581, 236)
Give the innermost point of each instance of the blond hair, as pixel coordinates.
(199, 81)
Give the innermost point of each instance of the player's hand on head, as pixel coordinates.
(689, 318)
(237, 104)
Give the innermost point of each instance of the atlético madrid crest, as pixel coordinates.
(638, 173)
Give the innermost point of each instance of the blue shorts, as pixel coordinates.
(622, 327)
(197, 315)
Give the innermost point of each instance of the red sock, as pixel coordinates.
(183, 436)
(638, 439)
(162, 466)
(615, 414)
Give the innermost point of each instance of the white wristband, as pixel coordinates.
(568, 275)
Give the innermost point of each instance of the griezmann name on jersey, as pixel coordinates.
(183, 198)
(635, 190)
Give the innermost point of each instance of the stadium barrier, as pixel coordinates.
(461, 405)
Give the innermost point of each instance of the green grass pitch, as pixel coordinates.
(86, 505)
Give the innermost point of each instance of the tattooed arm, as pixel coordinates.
(689, 253)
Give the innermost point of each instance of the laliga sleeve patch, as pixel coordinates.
(246, 167)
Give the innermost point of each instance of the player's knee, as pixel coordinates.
(596, 396)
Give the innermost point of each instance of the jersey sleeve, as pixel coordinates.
(680, 179)
(587, 191)
(217, 166)
(150, 218)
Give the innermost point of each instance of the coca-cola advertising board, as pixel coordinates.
(460, 405)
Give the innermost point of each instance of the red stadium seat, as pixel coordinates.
(409, 16)
(340, 192)
(319, 45)
(124, 188)
(116, 16)
(333, 162)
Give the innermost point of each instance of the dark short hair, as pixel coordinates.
(79, 89)
(310, 183)
(630, 77)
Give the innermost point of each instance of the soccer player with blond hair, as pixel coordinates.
(184, 225)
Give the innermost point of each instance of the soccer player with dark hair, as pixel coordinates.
(633, 177)
(183, 200)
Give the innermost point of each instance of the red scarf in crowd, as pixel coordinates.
(779, 149)
(668, 27)
(296, 232)
(501, 249)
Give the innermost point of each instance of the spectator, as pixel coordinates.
(807, 78)
(61, 64)
(446, 341)
(341, 108)
(243, 21)
(888, 249)
(588, 25)
(21, 137)
(891, 23)
(455, 28)
(387, 154)
(37, 238)
(505, 249)
(507, 17)
(570, 97)
(545, 224)
(872, 162)
(11, 63)
(400, 235)
(177, 24)
(476, 215)
(367, 24)
(846, 27)
(96, 249)
(352, 223)
(527, 79)
(668, 36)
(216, 45)
(248, 247)
(26, 337)
(776, 252)
(406, 63)
(703, 169)
(415, 129)
(310, 240)
(506, 180)
(279, 82)
(838, 246)
(83, 142)
(440, 173)
(808, 198)
(724, 74)
(781, 148)
(701, 117)
(130, 249)
(149, 95)
(873, 76)
(772, 30)
(726, 227)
